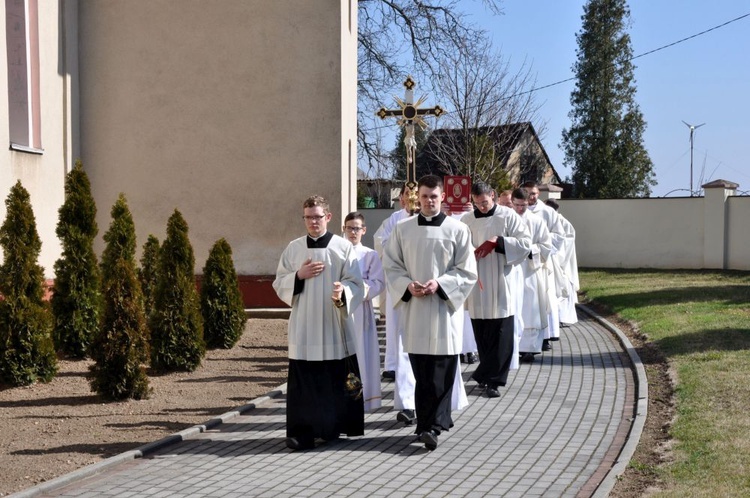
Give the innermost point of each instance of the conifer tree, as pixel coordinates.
(76, 301)
(27, 353)
(604, 144)
(221, 300)
(148, 272)
(120, 348)
(176, 323)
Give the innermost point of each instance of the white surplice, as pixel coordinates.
(516, 305)
(490, 298)
(394, 353)
(536, 274)
(559, 287)
(431, 325)
(569, 265)
(317, 328)
(366, 336)
(396, 359)
(422, 253)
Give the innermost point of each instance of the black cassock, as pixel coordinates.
(318, 404)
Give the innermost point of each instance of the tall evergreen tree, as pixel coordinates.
(27, 353)
(76, 301)
(120, 348)
(221, 300)
(176, 323)
(604, 144)
(148, 272)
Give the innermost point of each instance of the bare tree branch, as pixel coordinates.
(402, 37)
(487, 97)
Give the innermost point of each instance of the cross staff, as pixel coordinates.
(408, 115)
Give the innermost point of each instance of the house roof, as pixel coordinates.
(508, 136)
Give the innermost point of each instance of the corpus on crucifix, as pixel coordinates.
(409, 114)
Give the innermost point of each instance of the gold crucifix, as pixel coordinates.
(408, 115)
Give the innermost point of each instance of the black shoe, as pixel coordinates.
(527, 358)
(295, 444)
(389, 375)
(546, 346)
(492, 392)
(471, 358)
(430, 439)
(406, 416)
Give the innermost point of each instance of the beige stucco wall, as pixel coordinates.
(637, 233)
(43, 175)
(232, 111)
(738, 231)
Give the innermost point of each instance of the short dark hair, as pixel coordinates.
(520, 193)
(316, 200)
(530, 184)
(553, 204)
(355, 215)
(481, 188)
(431, 181)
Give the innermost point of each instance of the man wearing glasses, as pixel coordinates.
(318, 276)
(366, 336)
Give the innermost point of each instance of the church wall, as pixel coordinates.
(42, 173)
(232, 111)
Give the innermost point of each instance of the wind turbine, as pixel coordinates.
(692, 132)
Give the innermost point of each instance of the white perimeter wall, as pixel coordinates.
(690, 233)
(738, 233)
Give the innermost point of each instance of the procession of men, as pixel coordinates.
(506, 261)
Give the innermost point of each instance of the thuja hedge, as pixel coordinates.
(120, 348)
(76, 301)
(27, 353)
(221, 301)
(176, 324)
(148, 272)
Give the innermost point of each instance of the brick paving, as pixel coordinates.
(557, 430)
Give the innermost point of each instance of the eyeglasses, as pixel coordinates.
(313, 218)
(354, 229)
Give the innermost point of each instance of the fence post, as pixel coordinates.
(549, 191)
(715, 222)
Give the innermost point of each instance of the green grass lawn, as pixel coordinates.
(701, 321)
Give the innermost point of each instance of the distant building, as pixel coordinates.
(514, 148)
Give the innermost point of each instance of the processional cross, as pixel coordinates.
(409, 114)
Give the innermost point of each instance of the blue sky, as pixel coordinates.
(703, 80)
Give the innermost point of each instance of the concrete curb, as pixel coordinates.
(146, 449)
(282, 313)
(641, 411)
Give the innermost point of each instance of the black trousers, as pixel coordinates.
(435, 375)
(495, 345)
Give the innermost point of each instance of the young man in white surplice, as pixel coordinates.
(318, 276)
(430, 268)
(366, 336)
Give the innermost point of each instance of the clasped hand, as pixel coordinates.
(420, 290)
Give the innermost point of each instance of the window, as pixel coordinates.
(22, 37)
